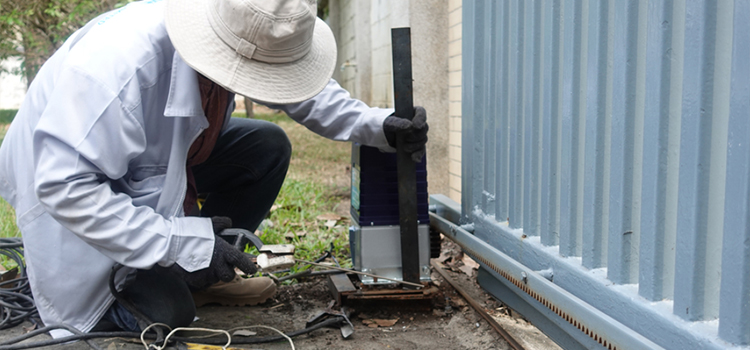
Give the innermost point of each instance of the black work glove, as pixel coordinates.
(415, 132)
(223, 261)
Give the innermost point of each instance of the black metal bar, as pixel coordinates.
(407, 174)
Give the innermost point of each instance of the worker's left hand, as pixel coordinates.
(415, 132)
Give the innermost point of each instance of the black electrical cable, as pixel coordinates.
(11, 344)
(16, 302)
(17, 305)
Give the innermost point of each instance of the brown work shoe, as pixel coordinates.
(238, 292)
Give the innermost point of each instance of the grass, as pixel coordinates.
(8, 226)
(6, 116)
(317, 184)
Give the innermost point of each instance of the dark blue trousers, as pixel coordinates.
(240, 179)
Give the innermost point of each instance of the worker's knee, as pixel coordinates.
(278, 142)
(162, 298)
(260, 143)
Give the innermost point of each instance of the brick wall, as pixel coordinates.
(454, 96)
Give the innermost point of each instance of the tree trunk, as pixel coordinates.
(249, 108)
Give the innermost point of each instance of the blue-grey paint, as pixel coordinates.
(734, 310)
(609, 140)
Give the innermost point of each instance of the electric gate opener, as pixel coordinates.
(390, 235)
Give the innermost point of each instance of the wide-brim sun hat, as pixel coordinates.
(273, 51)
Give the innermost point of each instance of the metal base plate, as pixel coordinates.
(377, 250)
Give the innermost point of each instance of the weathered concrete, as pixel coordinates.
(363, 33)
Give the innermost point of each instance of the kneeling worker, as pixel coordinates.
(130, 119)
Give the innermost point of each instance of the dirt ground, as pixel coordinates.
(446, 322)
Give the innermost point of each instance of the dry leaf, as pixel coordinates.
(329, 217)
(385, 323)
(9, 275)
(468, 261)
(468, 270)
(330, 223)
(444, 256)
(244, 333)
(458, 302)
(375, 323)
(292, 235)
(274, 207)
(29, 328)
(112, 346)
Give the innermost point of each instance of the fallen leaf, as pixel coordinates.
(329, 217)
(29, 328)
(274, 207)
(9, 275)
(458, 302)
(244, 333)
(330, 223)
(385, 323)
(444, 256)
(468, 261)
(298, 234)
(438, 313)
(468, 270)
(112, 346)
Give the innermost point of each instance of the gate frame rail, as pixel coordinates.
(563, 299)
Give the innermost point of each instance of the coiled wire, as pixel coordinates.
(16, 302)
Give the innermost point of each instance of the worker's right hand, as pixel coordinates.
(223, 261)
(414, 131)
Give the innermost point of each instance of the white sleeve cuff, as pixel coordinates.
(194, 244)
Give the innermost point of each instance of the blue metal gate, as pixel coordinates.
(606, 168)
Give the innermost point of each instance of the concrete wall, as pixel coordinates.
(363, 32)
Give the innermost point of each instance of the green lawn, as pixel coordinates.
(7, 215)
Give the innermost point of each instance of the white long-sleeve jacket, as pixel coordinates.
(94, 162)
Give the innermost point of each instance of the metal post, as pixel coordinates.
(407, 175)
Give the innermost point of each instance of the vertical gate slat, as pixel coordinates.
(489, 110)
(660, 149)
(734, 309)
(702, 162)
(553, 117)
(516, 114)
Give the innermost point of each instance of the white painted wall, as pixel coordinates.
(454, 98)
(363, 33)
(12, 87)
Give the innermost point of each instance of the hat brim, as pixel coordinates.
(203, 50)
